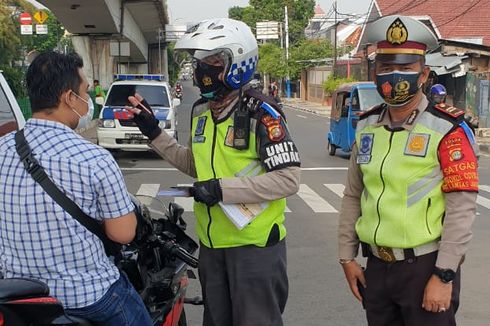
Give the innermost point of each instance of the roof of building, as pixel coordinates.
(452, 19)
(319, 10)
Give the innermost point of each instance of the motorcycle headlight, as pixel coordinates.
(164, 124)
(107, 123)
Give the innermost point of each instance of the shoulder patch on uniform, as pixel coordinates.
(275, 131)
(377, 109)
(449, 110)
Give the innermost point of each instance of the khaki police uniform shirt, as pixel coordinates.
(272, 185)
(459, 215)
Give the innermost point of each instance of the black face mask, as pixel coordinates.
(207, 79)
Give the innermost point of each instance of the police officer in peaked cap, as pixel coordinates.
(410, 195)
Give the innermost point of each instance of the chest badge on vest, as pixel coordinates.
(365, 149)
(417, 144)
(198, 139)
(201, 124)
(229, 136)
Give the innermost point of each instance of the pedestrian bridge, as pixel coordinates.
(95, 24)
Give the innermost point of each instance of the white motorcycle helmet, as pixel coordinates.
(228, 37)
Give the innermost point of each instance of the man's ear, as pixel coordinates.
(425, 74)
(67, 99)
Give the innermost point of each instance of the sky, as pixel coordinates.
(184, 11)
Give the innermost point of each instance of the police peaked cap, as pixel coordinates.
(400, 39)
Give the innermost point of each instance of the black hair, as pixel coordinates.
(96, 81)
(49, 75)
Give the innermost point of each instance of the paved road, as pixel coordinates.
(318, 293)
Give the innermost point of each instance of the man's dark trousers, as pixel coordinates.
(244, 286)
(395, 292)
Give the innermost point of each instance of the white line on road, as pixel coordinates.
(482, 201)
(312, 199)
(325, 168)
(337, 188)
(301, 116)
(186, 202)
(484, 188)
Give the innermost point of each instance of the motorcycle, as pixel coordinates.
(179, 93)
(155, 263)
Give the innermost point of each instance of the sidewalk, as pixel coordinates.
(482, 134)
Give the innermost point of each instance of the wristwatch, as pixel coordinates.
(446, 275)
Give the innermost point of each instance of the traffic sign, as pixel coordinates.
(40, 16)
(25, 18)
(41, 29)
(26, 29)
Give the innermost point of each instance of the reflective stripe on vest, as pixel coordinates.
(215, 158)
(402, 203)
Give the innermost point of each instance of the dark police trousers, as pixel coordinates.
(244, 286)
(395, 292)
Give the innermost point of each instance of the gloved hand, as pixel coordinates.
(143, 117)
(207, 192)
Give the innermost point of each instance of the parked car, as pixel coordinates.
(348, 102)
(11, 117)
(116, 129)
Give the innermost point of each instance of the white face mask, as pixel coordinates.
(85, 120)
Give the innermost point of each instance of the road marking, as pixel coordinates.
(482, 201)
(484, 188)
(186, 202)
(147, 192)
(301, 116)
(337, 188)
(312, 199)
(322, 168)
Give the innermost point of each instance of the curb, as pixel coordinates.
(299, 108)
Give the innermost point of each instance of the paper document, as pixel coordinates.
(242, 214)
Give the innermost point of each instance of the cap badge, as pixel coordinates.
(397, 33)
(207, 81)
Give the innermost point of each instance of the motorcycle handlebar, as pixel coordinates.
(179, 252)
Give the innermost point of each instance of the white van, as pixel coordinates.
(116, 129)
(11, 117)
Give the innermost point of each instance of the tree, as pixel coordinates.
(45, 42)
(272, 61)
(299, 12)
(311, 49)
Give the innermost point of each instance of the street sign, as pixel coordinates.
(25, 18)
(41, 29)
(267, 30)
(26, 29)
(40, 16)
(174, 32)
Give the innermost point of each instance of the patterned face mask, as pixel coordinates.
(207, 79)
(397, 87)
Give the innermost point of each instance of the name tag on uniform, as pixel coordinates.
(365, 149)
(417, 144)
(201, 123)
(198, 139)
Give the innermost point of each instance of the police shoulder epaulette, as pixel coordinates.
(377, 109)
(447, 112)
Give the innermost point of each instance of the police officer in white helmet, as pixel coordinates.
(241, 153)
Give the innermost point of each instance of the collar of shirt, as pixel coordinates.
(409, 122)
(43, 123)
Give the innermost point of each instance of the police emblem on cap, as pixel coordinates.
(397, 32)
(207, 81)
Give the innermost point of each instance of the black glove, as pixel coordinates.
(146, 121)
(207, 192)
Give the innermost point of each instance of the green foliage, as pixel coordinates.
(46, 42)
(308, 50)
(299, 12)
(15, 79)
(9, 35)
(272, 60)
(331, 84)
(173, 66)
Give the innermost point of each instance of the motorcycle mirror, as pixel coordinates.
(175, 212)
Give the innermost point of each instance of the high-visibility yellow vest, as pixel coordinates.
(402, 203)
(215, 157)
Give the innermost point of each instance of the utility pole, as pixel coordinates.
(335, 40)
(286, 27)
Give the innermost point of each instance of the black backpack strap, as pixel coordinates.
(37, 172)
